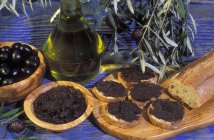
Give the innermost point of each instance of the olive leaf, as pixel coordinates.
(29, 138)
(193, 22)
(153, 68)
(162, 1)
(30, 3)
(3, 3)
(55, 15)
(168, 40)
(163, 71)
(188, 2)
(115, 43)
(9, 113)
(134, 60)
(24, 9)
(46, 4)
(42, 3)
(50, 3)
(150, 50)
(130, 6)
(162, 57)
(12, 8)
(12, 117)
(189, 45)
(14, 4)
(111, 19)
(115, 6)
(142, 61)
(156, 34)
(1, 108)
(13, 11)
(192, 33)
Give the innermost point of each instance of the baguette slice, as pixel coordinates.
(130, 84)
(119, 122)
(139, 104)
(194, 85)
(145, 103)
(163, 123)
(104, 98)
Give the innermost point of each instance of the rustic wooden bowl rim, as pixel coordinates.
(41, 59)
(28, 106)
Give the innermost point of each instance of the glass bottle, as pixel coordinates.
(73, 49)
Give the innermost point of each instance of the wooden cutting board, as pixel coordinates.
(193, 119)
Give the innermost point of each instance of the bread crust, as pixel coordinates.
(104, 98)
(199, 77)
(119, 122)
(162, 123)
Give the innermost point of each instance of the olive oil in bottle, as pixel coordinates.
(73, 49)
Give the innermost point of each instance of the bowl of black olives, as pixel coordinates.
(22, 68)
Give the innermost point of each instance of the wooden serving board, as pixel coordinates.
(193, 119)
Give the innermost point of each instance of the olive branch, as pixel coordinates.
(167, 27)
(164, 29)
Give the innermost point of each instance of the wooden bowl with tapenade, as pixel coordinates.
(59, 106)
(22, 68)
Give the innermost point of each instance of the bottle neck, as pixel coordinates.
(71, 15)
(70, 8)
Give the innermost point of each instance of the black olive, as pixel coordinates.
(137, 34)
(26, 50)
(15, 72)
(26, 71)
(4, 64)
(16, 56)
(1, 79)
(16, 126)
(5, 49)
(4, 56)
(34, 57)
(7, 81)
(31, 63)
(4, 71)
(16, 46)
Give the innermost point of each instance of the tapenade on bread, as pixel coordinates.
(143, 93)
(108, 91)
(124, 114)
(132, 74)
(166, 114)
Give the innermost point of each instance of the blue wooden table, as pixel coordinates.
(36, 29)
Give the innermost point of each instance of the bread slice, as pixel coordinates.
(139, 104)
(163, 123)
(119, 122)
(145, 103)
(194, 85)
(130, 84)
(104, 98)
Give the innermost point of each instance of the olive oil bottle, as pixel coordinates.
(73, 49)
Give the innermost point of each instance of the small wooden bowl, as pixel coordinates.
(28, 106)
(19, 90)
